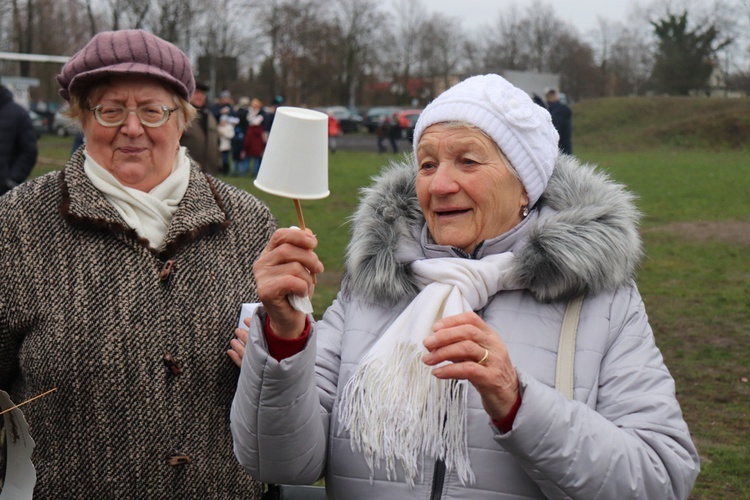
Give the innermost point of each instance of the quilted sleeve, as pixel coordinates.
(633, 444)
(280, 413)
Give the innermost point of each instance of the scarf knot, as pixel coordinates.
(395, 410)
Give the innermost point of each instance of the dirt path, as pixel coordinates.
(730, 231)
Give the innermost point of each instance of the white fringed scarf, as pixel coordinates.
(393, 407)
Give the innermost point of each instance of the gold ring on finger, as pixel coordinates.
(483, 361)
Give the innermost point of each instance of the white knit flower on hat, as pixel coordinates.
(514, 105)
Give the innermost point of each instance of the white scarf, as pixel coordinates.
(393, 407)
(148, 213)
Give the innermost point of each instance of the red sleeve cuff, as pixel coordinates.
(280, 348)
(506, 424)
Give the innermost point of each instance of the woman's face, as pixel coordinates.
(139, 157)
(465, 190)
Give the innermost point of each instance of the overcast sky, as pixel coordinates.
(583, 14)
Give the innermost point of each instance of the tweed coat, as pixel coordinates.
(88, 307)
(621, 436)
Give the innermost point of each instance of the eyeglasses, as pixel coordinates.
(150, 115)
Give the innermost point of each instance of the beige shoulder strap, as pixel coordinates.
(566, 350)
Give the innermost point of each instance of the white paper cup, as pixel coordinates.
(295, 162)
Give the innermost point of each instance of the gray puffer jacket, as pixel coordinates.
(622, 435)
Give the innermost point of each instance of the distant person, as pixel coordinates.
(538, 100)
(255, 135)
(562, 119)
(226, 134)
(78, 141)
(381, 132)
(224, 100)
(241, 111)
(201, 138)
(270, 113)
(64, 117)
(18, 148)
(394, 133)
(239, 161)
(334, 131)
(388, 128)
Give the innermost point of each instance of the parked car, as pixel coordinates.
(39, 122)
(63, 125)
(349, 121)
(407, 120)
(374, 114)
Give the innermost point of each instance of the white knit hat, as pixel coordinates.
(522, 129)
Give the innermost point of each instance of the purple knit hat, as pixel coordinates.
(128, 52)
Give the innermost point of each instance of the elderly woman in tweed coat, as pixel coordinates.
(121, 274)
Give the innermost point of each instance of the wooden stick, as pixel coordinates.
(300, 217)
(28, 400)
(301, 222)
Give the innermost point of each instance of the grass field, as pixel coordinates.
(689, 163)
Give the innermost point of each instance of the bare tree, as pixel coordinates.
(23, 32)
(359, 23)
(323, 52)
(93, 28)
(6, 27)
(525, 41)
(297, 49)
(723, 15)
(537, 40)
(542, 30)
(409, 18)
(504, 48)
(632, 60)
(743, 45)
(176, 20)
(129, 14)
(573, 60)
(441, 50)
(603, 53)
(248, 32)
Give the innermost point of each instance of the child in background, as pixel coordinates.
(226, 133)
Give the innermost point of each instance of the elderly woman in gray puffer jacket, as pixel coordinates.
(433, 374)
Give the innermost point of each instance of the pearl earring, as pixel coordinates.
(525, 212)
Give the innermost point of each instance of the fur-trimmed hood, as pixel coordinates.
(583, 239)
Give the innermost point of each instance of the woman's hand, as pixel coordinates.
(285, 267)
(465, 340)
(237, 345)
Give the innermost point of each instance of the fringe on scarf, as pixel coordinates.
(383, 423)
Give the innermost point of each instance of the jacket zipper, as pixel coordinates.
(438, 478)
